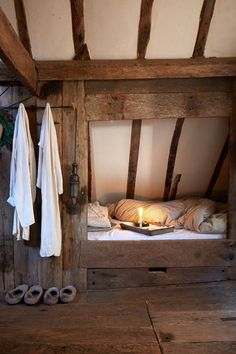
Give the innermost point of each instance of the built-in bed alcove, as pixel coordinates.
(199, 111)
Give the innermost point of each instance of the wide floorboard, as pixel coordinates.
(183, 319)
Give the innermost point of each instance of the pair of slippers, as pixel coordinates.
(33, 295)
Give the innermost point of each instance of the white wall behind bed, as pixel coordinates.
(199, 148)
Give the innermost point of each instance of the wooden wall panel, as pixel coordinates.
(69, 156)
(124, 278)
(82, 155)
(6, 238)
(158, 86)
(141, 254)
(160, 105)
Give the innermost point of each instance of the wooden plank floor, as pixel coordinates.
(187, 319)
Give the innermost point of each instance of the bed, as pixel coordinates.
(122, 258)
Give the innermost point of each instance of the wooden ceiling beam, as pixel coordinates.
(144, 27)
(77, 15)
(15, 56)
(203, 29)
(136, 69)
(22, 25)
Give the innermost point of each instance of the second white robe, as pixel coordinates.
(49, 180)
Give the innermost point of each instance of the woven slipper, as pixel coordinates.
(51, 296)
(16, 295)
(67, 294)
(33, 295)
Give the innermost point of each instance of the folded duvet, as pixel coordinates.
(201, 215)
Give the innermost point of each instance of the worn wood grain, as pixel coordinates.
(158, 105)
(127, 278)
(172, 157)
(232, 171)
(135, 69)
(15, 56)
(6, 212)
(144, 27)
(77, 14)
(69, 157)
(141, 254)
(22, 25)
(82, 153)
(193, 326)
(203, 29)
(158, 85)
(200, 348)
(133, 157)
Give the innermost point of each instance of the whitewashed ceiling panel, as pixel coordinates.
(174, 28)
(111, 28)
(221, 41)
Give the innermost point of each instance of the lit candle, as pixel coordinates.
(140, 213)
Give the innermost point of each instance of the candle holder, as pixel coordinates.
(142, 224)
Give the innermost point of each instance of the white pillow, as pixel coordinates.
(98, 215)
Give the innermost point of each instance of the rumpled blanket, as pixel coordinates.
(196, 214)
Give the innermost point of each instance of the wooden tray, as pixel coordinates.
(150, 230)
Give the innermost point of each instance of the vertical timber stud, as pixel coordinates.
(172, 157)
(143, 39)
(217, 169)
(203, 29)
(82, 156)
(133, 157)
(77, 15)
(232, 171)
(144, 27)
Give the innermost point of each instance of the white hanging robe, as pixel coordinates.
(49, 180)
(22, 176)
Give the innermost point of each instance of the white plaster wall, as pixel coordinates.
(174, 28)
(199, 148)
(221, 41)
(50, 29)
(110, 143)
(111, 28)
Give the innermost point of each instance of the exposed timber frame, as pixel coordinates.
(136, 69)
(77, 15)
(203, 29)
(15, 56)
(22, 25)
(144, 27)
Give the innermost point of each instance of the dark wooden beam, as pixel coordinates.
(217, 169)
(144, 27)
(135, 69)
(175, 187)
(15, 56)
(77, 15)
(232, 171)
(133, 157)
(172, 157)
(89, 166)
(22, 25)
(203, 29)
